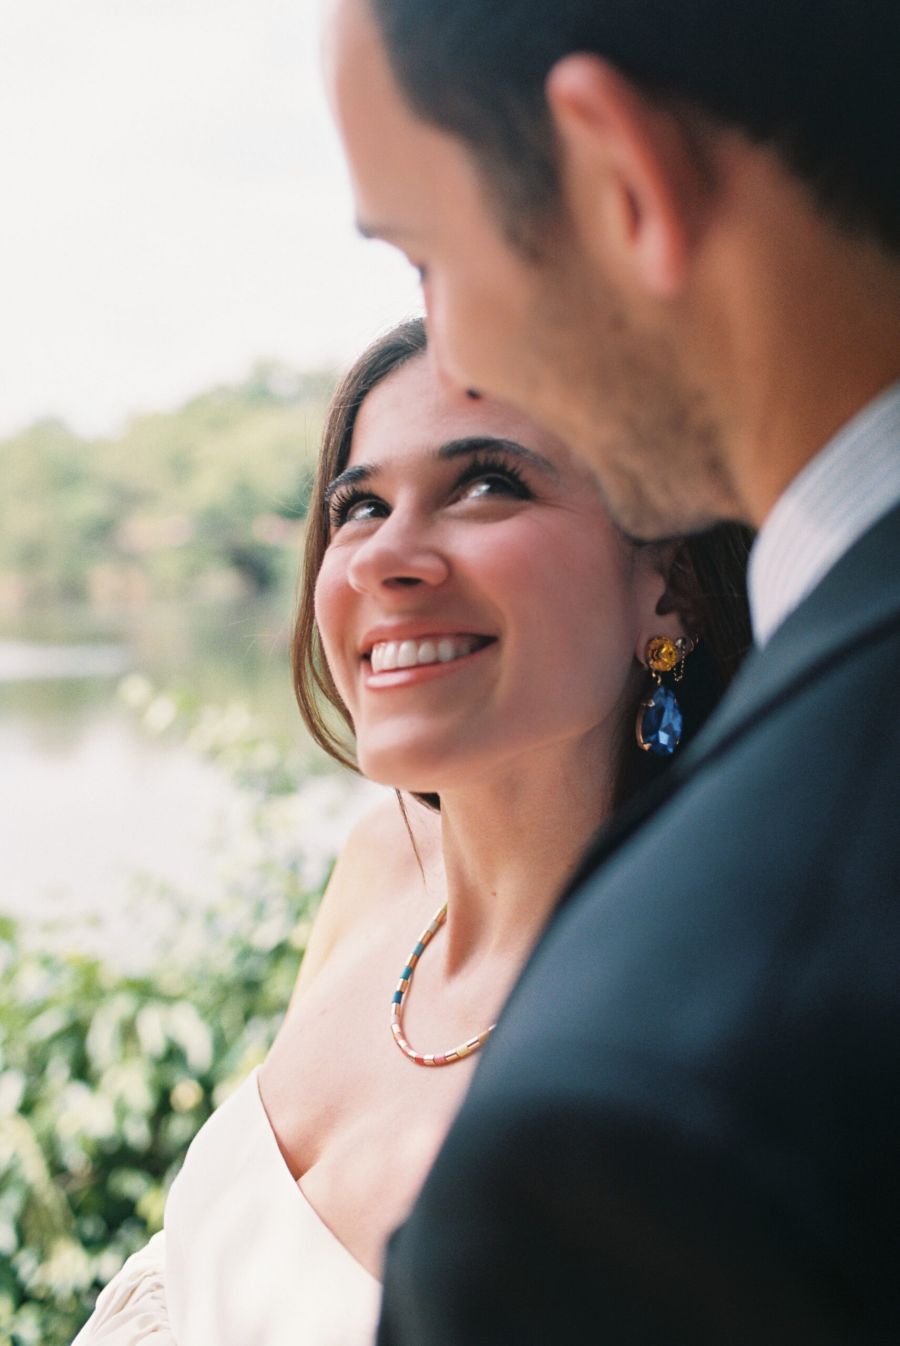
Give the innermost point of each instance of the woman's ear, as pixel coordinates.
(657, 600)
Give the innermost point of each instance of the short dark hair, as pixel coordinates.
(819, 82)
(706, 583)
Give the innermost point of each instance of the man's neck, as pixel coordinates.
(807, 331)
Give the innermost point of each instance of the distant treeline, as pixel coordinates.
(206, 501)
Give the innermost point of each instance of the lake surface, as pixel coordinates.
(95, 793)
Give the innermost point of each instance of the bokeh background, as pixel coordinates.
(181, 283)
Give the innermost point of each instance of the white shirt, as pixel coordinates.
(849, 485)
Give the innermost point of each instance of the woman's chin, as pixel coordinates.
(408, 782)
(402, 771)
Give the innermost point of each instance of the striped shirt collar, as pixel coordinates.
(838, 496)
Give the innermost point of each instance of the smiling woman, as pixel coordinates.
(482, 630)
(705, 574)
(463, 523)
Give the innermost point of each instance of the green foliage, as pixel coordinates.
(104, 1080)
(231, 736)
(105, 1077)
(204, 499)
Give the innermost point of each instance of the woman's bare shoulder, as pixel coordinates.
(377, 859)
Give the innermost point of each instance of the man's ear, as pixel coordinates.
(634, 179)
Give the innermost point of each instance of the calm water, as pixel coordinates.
(89, 798)
(59, 668)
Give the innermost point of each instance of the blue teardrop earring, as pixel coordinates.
(659, 719)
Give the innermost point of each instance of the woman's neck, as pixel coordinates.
(509, 843)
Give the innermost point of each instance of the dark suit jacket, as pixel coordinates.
(686, 1128)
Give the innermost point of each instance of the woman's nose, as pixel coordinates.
(399, 554)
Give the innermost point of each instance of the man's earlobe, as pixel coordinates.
(629, 171)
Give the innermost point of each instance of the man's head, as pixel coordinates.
(818, 82)
(630, 214)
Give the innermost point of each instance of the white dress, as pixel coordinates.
(243, 1260)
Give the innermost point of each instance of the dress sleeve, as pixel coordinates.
(131, 1309)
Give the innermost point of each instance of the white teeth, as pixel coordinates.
(384, 656)
(408, 654)
(390, 654)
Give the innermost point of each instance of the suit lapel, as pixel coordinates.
(855, 602)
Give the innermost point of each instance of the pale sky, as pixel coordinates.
(174, 206)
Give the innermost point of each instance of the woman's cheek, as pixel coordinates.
(332, 620)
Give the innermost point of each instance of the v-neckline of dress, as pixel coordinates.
(279, 1159)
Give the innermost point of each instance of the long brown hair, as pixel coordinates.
(314, 686)
(706, 584)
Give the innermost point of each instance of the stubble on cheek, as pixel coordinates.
(655, 443)
(618, 395)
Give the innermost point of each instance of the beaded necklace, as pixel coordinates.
(431, 1058)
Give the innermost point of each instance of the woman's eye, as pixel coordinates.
(486, 486)
(355, 509)
(493, 483)
(363, 509)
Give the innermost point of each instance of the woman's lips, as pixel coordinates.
(388, 655)
(465, 650)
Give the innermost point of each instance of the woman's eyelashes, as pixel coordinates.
(484, 477)
(354, 505)
(488, 474)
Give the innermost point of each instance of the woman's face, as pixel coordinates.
(475, 603)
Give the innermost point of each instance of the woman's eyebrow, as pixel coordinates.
(472, 444)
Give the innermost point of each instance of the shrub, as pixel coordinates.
(104, 1080)
(106, 1075)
